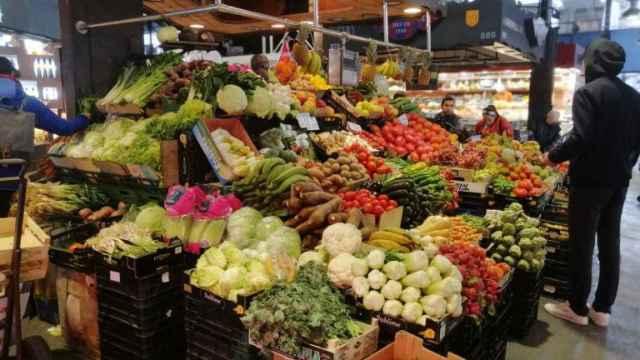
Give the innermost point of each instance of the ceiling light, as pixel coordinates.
(196, 26)
(278, 26)
(308, 22)
(632, 10)
(412, 10)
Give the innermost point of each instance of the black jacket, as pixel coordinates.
(451, 123)
(605, 141)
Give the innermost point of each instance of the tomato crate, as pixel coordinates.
(144, 288)
(555, 288)
(142, 314)
(215, 310)
(163, 260)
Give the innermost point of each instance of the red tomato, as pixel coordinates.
(371, 166)
(520, 192)
(401, 150)
(383, 197)
(349, 195)
(424, 157)
(526, 184)
(414, 157)
(384, 169)
(368, 208)
(378, 210)
(393, 203)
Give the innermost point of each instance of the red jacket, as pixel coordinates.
(500, 126)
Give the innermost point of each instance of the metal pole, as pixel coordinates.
(317, 36)
(607, 19)
(428, 23)
(385, 18)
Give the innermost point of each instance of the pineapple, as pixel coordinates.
(368, 72)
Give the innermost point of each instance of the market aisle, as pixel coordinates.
(554, 339)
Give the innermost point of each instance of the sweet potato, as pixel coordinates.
(316, 173)
(301, 216)
(319, 215)
(337, 217)
(354, 217)
(315, 197)
(306, 187)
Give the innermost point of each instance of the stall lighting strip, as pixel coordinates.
(82, 27)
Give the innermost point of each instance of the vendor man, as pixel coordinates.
(260, 65)
(447, 118)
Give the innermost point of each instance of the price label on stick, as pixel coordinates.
(306, 121)
(404, 120)
(354, 127)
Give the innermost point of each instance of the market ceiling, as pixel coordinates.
(331, 11)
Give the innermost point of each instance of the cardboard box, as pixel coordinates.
(407, 346)
(357, 348)
(202, 132)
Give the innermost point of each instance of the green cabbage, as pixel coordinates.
(284, 240)
(242, 226)
(232, 99)
(152, 218)
(260, 103)
(267, 226)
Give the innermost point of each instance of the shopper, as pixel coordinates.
(493, 123)
(260, 65)
(447, 118)
(549, 132)
(603, 148)
(12, 97)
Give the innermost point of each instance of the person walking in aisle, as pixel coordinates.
(13, 97)
(603, 147)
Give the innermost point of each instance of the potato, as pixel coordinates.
(354, 166)
(344, 174)
(342, 160)
(345, 168)
(333, 189)
(326, 184)
(327, 171)
(336, 168)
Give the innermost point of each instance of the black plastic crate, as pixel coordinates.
(555, 288)
(212, 309)
(557, 250)
(148, 313)
(197, 351)
(160, 341)
(125, 283)
(467, 339)
(165, 259)
(112, 350)
(221, 346)
(556, 269)
(195, 324)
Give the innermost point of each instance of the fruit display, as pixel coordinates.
(375, 165)
(376, 108)
(392, 239)
(235, 154)
(336, 175)
(480, 279)
(333, 142)
(411, 287)
(368, 202)
(390, 68)
(517, 239)
(268, 183)
(442, 230)
(368, 72)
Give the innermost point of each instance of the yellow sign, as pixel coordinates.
(472, 18)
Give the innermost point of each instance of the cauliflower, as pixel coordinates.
(392, 290)
(423, 320)
(441, 263)
(431, 250)
(359, 267)
(395, 270)
(360, 286)
(434, 306)
(392, 308)
(410, 294)
(454, 305)
(416, 260)
(376, 279)
(434, 274)
(375, 259)
(412, 312)
(418, 279)
(341, 238)
(373, 301)
(339, 270)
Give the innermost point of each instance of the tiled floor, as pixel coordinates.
(550, 338)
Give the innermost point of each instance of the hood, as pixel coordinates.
(603, 58)
(11, 90)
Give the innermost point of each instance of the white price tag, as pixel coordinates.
(178, 250)
(114, 276)
(403, 120)
(353, 126)
(165, 278)
(306, 121)
(312, 123)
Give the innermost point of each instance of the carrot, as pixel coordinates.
(101, 214)
(337, 217)
(319, 215)
(85, 213)
(316, 197)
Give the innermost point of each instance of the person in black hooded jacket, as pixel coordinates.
(602, 148)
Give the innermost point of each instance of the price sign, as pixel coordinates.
(306, 121)
(349, 68)
(403, 120)
(353, 126)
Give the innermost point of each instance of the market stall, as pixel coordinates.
(221, 215)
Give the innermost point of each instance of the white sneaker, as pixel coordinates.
(564, 312)
(599, 318)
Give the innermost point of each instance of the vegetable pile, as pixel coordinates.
(125, 239)
(516, 239)
(335, 175)
(49, 200)
(412, 286)
(309, 308)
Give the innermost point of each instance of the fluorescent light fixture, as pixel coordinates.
(412, 10)
(308, 22)
(278, 26)
(196, 26)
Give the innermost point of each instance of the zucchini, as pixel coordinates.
(399, 195)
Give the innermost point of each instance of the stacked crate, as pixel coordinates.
(141, 306)
(555, 224)
(213, 327)
(527, 288)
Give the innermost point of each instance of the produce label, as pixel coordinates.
(403, 120)
(306, 121)
(114, 276)
(354, 127)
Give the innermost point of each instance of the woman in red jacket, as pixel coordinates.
(493, 123)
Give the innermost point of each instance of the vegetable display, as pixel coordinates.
(309, 308)
(516, 239)
(414, 287)
(124, 239)
(46, 201)
(335, 175)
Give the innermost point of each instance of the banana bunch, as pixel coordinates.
(392, 239)
(313, 64)
(389, 68)
(268, 184)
